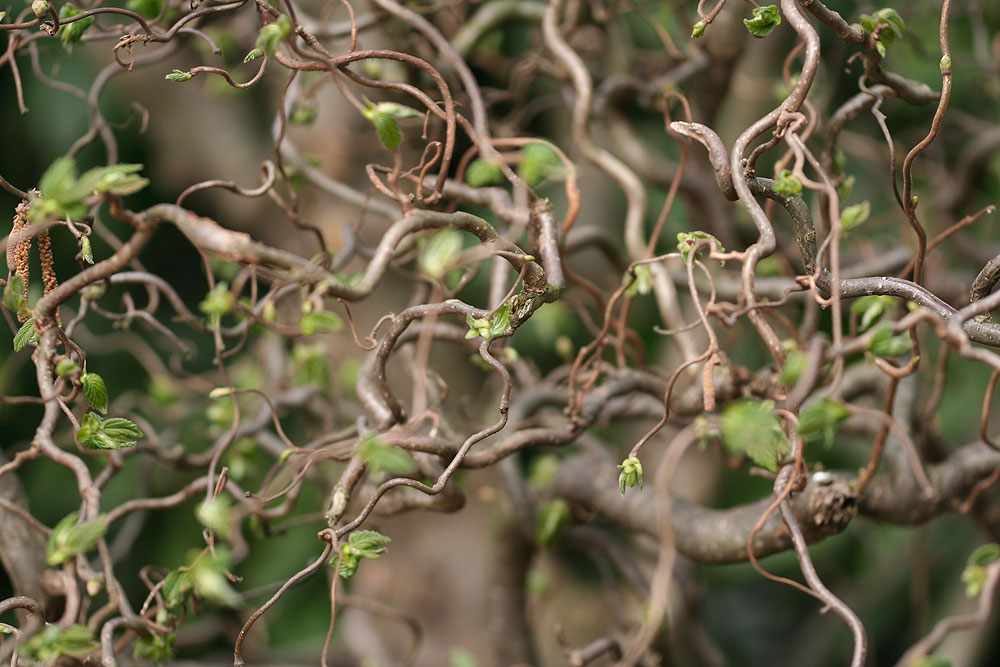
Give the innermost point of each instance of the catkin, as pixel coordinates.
(17, 256)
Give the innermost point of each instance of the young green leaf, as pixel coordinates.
(765, 19)
(66, 367)
(76, 641)
(86, 252)
(217, 303)
(115, 433)
(687, 240)
(871, 309)
(538, 163)
(852, 216)
(208, 576)
(270, 35)
(72, 33)
(552, 517)
(214, 514)
(320, 321)
(25, 335)
(631, 473)
(13, 294)
(381, 458)
(95, 391)
(150, 8)
(483, 172)
(698, 30)
(500, 321)
(440, 251)
(787, 184)
(750, 427)
(179, 76)
(360, 544)
(884, 344)
(155, 648)
(820, 419)
(399, 111)
(387, 130)
(71, 537)
(643, 282)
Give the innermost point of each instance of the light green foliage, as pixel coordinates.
(750, 427)
(360, 544)
(115, 433)
(381, 458)
(320, 321)
(270, 35)
(846, 187)
(852, 216)
(543, 471)
(491, 328)
(930, 661)
(539, 163)
(64, 194)
(552, 517)
(484, 172)
(765, 19)
(383, 116)
(974, 574)
(893, 27)
(459, 656)
(687, 240)
(820, 419)
(95, 391)
(209, 580)
(155, 648)
(641, 284)
(787, 184)
(150, 8)
(945, 63)
(630, 475)
(25, 335)
(871, 309)
(884, 344)
(215, 515)
(440, 251)
(52, 641)
(13, 296)
(698, 30)
(72, 33)
(310, 366)
(302, 114)
(66, 367)
(217, 303)
(71, 537)
(795, 363)
(253, 54)
(179, 76)
(86, 252)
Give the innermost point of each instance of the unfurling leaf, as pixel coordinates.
(320, 321)
(71, 537)
(26, 334)
(440, 252)
(787, 184)
(750, 427)
(820, 419)
(111, 434)
(884, 344)
(871, 309)
(698, 30)
(179, 76)
(631, 474)
(552, 517)
(95, 391)
(360, 544)
(483, 172)
(382, 458)
(852, 216)
(538, 163)
(765, 19)
(72, 33)
(687, 240)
